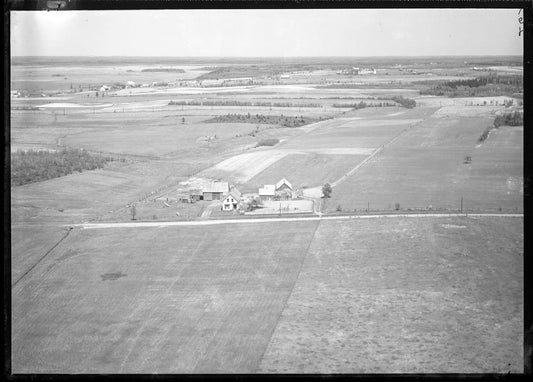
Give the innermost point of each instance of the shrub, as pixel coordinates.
(326, 190)
(267, 142)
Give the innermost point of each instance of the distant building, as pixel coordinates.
(215, 190)
(282, 190)
(283, 184)
(196, 195)
(267, 192)
(285, 76)
(231, 201)
(130, 84)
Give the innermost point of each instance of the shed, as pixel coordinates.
(215, 190)
(196, 195)
(267, 192)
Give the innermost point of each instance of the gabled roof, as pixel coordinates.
(267, 190)
(217, 187)
(235, 193)
(195, 191)
(282, 182)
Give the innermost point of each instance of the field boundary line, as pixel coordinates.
(304, 257)
(376, 152)
(42, 258)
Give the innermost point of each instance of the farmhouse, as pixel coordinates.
(130, 84)
(231, 201)
(282, 190)
(267, 192)
(215, 190)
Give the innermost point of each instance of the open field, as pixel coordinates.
(425, 167)
(417, 296)
(120, 301)
(304, 170)
(398, 295)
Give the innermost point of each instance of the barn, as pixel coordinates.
(283, 184)
(215, 190)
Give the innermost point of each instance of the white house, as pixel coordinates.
(130, 84)
(231, 200)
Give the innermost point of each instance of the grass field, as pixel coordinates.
(387, 295)
(405, 296)
(157, 300)
(425, 167)
(304, 170)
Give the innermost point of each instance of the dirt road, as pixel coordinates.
(268, 220)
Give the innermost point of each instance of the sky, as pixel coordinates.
(267, 33)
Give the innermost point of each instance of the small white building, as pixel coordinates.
(267, 192)
(130, 84)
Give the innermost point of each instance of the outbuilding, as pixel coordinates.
(196, 195)
(267, 192)
(215, 190)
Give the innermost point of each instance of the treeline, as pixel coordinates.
(241, 103)
(506, 119)
(509, 119)
(396, 100)
(171, 70)
(36, 165)
(491, 85)
(281, 120)
(404, 102)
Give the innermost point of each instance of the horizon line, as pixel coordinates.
(332, 56)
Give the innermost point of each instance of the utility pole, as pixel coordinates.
(461, 204)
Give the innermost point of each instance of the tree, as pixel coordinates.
(182, 120)
(326, 190)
